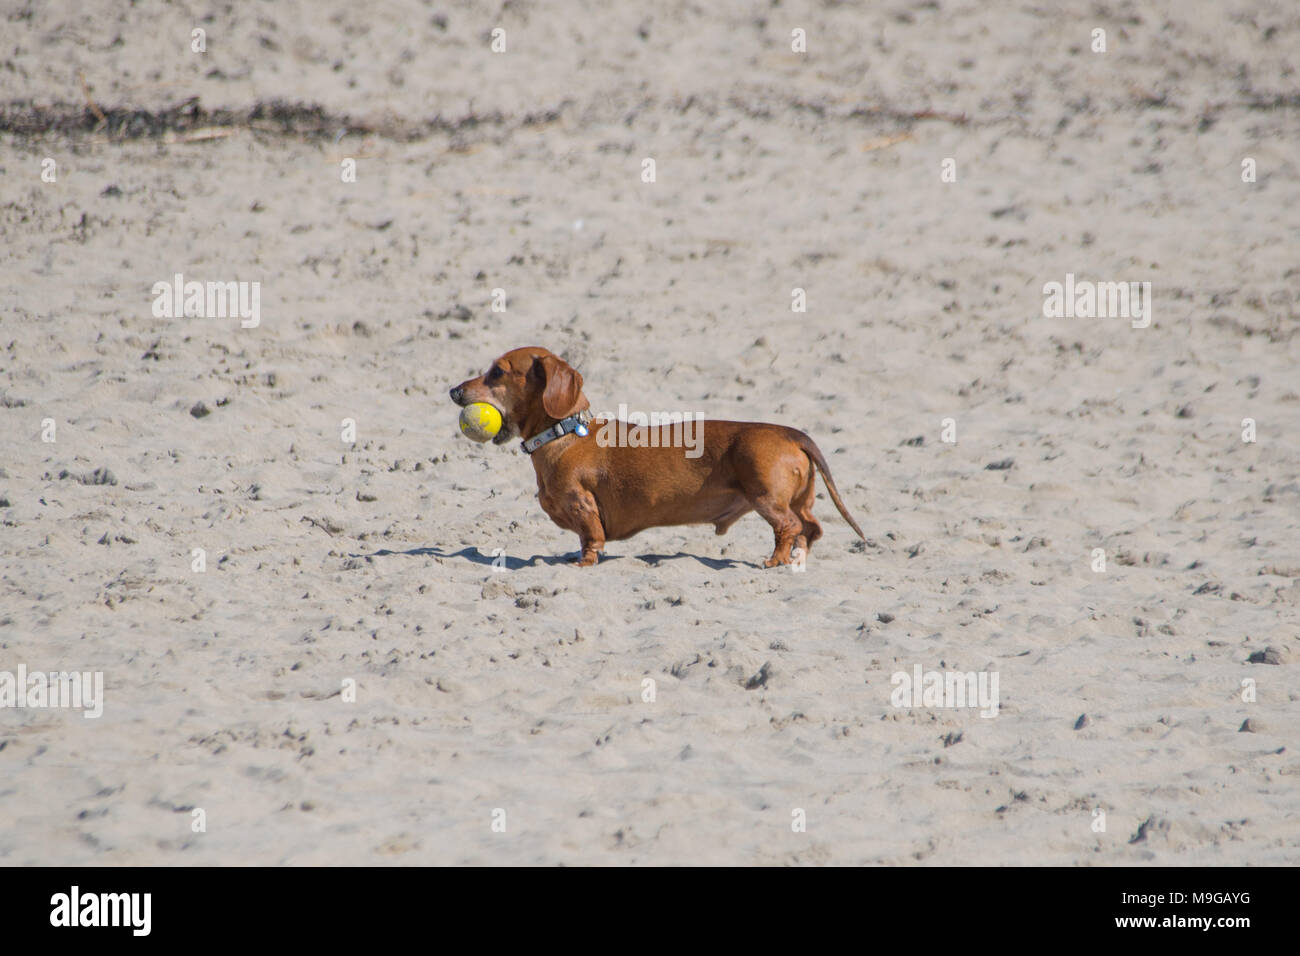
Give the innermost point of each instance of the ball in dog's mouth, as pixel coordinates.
(481, 422)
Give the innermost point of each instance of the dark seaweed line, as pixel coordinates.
(25, 118)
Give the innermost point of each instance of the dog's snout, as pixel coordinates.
(457, 394)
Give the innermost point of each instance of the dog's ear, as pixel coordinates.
(562, 388)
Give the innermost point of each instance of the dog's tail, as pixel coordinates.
(810, 448)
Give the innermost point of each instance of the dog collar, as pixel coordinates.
(577, 424)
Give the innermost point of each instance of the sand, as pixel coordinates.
(350, 680)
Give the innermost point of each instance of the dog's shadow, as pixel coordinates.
(714, 564)
(476, 556)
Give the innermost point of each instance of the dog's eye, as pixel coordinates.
(493, 374)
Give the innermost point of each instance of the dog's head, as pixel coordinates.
(531, 387)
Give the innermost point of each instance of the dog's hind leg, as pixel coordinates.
(802, 506)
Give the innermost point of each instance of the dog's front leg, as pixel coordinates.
(577, 511)
(591, 533)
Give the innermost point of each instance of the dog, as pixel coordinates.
(605, 493)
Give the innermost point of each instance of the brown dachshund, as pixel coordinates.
(608, 491)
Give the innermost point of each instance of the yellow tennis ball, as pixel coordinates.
(480, 421)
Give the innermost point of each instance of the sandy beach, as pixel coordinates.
(331, 630)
